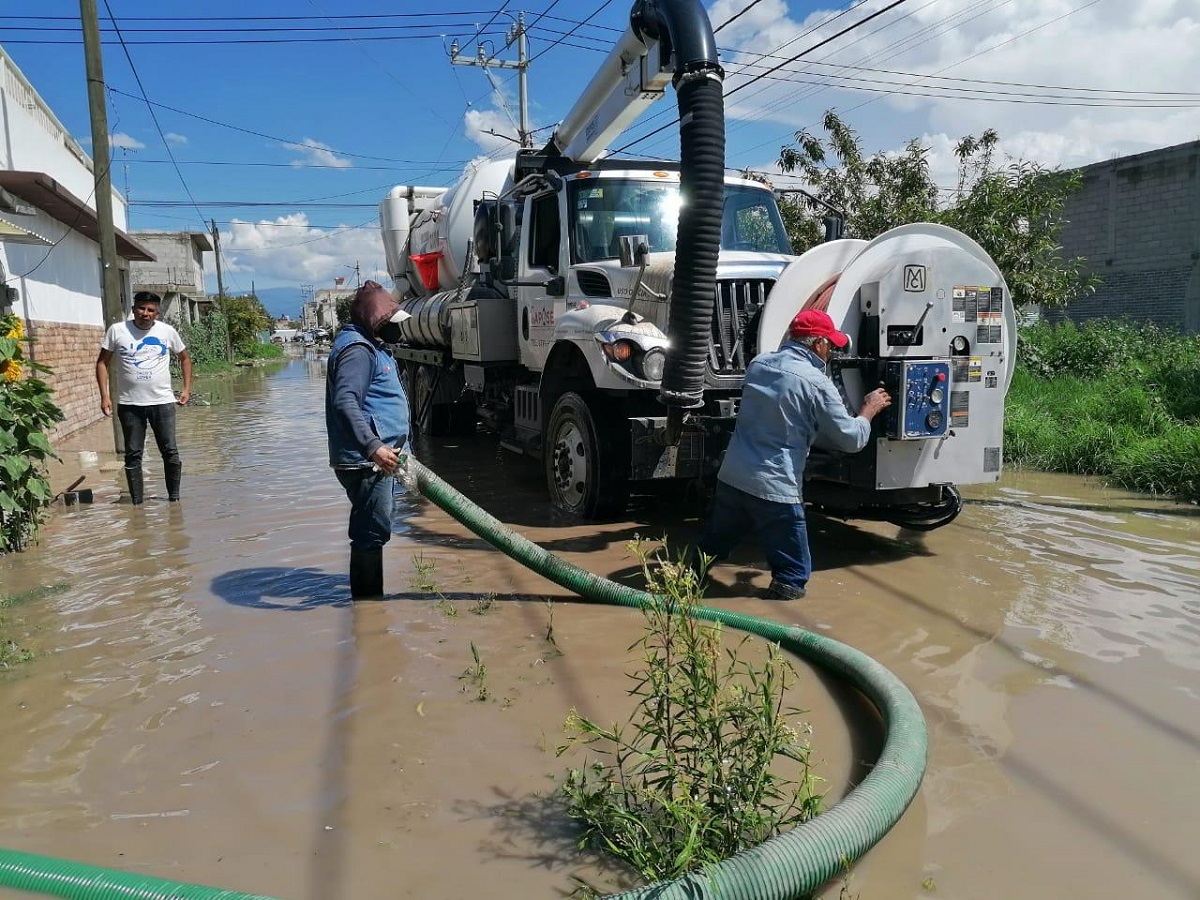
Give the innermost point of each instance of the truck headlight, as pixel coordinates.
(653, 362)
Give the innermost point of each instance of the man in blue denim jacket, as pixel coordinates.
(366, 417)
(787, 399)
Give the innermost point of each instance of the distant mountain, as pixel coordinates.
(282, 301)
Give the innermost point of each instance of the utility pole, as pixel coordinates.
(110, 289)
(357, 275)
(518, 34)
(216, 238)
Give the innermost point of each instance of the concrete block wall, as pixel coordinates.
(71, 351)
(1137, 222)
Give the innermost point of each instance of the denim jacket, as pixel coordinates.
(365, 406)
(786, 400)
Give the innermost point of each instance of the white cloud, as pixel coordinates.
(124, 141)
(318, 154)
(288, 249)
(1150, 46)
(485, 127)
(173, 138)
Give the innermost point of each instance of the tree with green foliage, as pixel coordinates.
(248, 319)
(26, 411)
(1014, 211)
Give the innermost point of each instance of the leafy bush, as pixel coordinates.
(26, 411)
(699, 773)
(1114, 399)
(206, 340)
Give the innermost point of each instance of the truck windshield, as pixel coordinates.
(605, 209)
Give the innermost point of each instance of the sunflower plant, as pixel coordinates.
(26, 411)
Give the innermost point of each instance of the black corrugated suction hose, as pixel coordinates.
(702, 186)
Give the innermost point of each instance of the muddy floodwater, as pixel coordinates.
(206, 704)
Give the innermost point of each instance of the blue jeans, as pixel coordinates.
(781, 531)
(161, 419)
(370, 494)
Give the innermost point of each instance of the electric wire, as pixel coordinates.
(599, 9)
(828, 20)
(153, 114)
(858, 24)
(291, 142)
(940, 71)
(745, 9)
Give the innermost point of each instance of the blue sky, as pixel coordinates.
(288, 122)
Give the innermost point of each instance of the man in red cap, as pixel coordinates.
(787, 400)
(366, 417)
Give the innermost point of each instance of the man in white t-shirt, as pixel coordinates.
(142, 347)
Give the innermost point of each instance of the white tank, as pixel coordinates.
(447, 227)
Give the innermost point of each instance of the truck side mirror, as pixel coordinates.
(632, 249)
(556, 287)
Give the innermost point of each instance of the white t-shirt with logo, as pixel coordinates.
(143, 361)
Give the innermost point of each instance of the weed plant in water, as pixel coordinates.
(422, 578)
(476, 676)
(711, 761)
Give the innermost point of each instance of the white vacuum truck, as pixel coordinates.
(599, 314)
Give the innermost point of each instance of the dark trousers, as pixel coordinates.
(781, 530)
(161, 419)
(370, 495)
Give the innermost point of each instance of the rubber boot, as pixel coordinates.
(133, 477)
(366, 574)
(174, 472)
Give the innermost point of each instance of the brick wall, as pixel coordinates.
(1137, 222)
(71, 351)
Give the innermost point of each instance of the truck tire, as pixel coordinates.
(440, 419)
(586, 457)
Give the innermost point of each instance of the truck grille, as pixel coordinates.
(735, 324)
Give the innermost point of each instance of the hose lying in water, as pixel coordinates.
(785, 867)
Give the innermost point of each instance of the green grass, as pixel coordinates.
(1111, 399)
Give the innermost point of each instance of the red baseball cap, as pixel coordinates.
(816, 323)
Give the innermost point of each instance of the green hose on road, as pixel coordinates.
(786, 867)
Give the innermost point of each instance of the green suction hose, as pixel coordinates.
(785, 867)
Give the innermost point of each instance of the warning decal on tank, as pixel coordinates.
(991, 459)
(960, 409)
(966, 370)
(972, 303)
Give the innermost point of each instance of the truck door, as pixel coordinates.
(542, 261)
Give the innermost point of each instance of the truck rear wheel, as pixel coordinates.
(586, 456)
(433, 418)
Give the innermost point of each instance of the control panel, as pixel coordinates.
(920, 392)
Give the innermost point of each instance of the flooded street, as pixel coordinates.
(207, 705)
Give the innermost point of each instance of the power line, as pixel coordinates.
(291, 142)
(908, 42)
(153, 115)
(828, 20)
(745, 9)
(489, 22)
(819, 44)
(599, 9)
(449, 166)
(465, 12)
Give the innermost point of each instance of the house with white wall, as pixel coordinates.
(49, 244)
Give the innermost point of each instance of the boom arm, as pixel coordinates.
(666, 40)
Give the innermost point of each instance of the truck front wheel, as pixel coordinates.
(586, 456)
